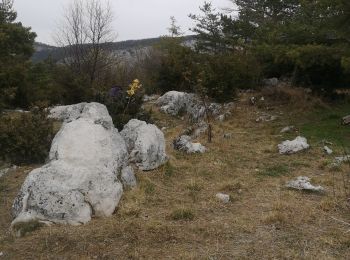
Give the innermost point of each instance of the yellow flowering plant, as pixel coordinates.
(132, 90)
(133, 87)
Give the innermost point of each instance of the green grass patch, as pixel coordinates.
(275, 171)
(325, 124)
(182, 214)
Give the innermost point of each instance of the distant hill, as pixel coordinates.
(125, 48)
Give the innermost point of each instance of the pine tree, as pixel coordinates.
(16, 48)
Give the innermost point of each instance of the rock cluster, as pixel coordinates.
(87, 160)
(175, 103)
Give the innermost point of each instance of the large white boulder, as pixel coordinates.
(81, 178)
(290, 147)
(145, 143)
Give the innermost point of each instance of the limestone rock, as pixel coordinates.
(128, 177)
(327, 150)
(303, 183)
(183, 143)
(150, 98)
(81, 178)
(346, 120)
(4, 171)
(290, 147)
(287, 129)
(145, 143)
(223, 197)
(174, 102)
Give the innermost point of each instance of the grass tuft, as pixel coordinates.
(182, 214)
(275, 171)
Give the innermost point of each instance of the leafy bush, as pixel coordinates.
(124, 104)
(178, 70)
(25, 138)
(223, 75)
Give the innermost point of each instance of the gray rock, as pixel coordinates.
(303, 183)
(92, 111)
(175, 103)
(327, 150)
(290, 147)
(150, 98)
(4, 171)
(272, 82)
(128, 177)
(264, 117)
(196, 130)
(145, 143)
(346, 120)
(223, 197)
(287, 129)
(81, 177)
(221, 118)
(341, 159)
(183, 143)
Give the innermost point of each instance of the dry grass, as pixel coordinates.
(173, 213)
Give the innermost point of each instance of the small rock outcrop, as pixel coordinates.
(183, 143)
(81, 177)
(175, 103)
(291, 147)
(145, 143)
(303, 183)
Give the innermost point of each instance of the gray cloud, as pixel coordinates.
(134, 19)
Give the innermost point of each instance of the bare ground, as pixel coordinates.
(173, 214)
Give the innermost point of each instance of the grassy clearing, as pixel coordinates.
(173, 212)
(325, 124)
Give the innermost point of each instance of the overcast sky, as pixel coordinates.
(134, 19)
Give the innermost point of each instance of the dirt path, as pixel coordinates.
(173, 214)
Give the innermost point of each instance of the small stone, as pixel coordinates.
(252, 101)
(4, 171)
(128, 177)
(327, 150)
(223, 197)
(287, 129)
(221, 118)
(303, 183)
(346, 120)
(183, 143)
(228, 136)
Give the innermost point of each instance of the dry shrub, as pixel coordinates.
(292, 96)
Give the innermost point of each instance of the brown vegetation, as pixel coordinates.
(173, 212)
